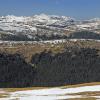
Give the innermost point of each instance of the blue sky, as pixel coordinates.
(80, 9)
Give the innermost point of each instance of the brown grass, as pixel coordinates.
(27, 50)
(23, 89)
(62, 87)
(89, 98)
(87, 93)
(79, 85)
(4, 95)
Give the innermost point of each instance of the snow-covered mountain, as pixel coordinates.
(38, 25)
(11, 22)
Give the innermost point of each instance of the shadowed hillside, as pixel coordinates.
(47, 65)
(43, 37)
(74, 66)
(84, 35)
(15, 72)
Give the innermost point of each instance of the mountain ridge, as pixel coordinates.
(31, 26)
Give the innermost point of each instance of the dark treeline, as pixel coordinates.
(15, 72)
(36, 37)
(84, 35)
(43, 37)
(73, 66)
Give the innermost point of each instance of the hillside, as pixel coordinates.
(72, 62)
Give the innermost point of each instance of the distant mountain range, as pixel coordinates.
(41, 27)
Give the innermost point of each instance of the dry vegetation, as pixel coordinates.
(80, 85)
(27, 50)
(85, 95)
(88, 98)
(62, 87)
